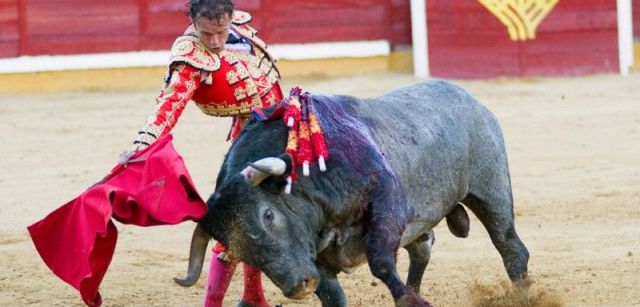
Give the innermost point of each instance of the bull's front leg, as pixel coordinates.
(385, 223)
(329, 290)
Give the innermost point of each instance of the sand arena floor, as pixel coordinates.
(574, 150)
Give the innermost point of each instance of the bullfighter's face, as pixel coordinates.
(213, 33)
(258, 226)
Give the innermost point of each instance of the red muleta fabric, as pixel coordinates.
(77, 240)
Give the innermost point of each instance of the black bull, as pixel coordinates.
(398, 164)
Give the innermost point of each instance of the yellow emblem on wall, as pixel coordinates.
(521, 17)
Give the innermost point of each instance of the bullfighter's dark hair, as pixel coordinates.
(211, 9)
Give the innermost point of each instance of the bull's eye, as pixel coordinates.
(268, 218)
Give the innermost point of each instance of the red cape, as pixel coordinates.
(77, 240)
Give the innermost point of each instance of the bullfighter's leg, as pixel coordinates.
(419, 254)
(329, 290)
(253, 293)
(220, 273)
(218, 279)
(495, 211)
(385, 224)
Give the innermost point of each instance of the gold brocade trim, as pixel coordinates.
(250, 62)
(229, 110)
(229, 56)
(272, 76)
(240, 94)
(193, 75)
(251, 89)
(255, 100)
(243, 73)
(182, 47)
(254, 67)
(249, 32)
(189, 49)
(265, 64)
(232, 77)
(240, 17)
(167, 92)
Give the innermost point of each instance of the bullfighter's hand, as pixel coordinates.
(124, 156)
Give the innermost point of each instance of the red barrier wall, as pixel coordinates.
(36, 27)
(636, 18)
(467, 41)
(9, 34)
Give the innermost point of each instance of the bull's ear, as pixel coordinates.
(284, 184)
(288, 161)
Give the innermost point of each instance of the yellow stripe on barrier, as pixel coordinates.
(521, 17)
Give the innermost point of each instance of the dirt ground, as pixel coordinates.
(574, 150)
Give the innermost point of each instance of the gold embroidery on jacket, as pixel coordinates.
(189, 49)
(232, 77)
(272, 76)
(251, 89)
(230, 110)
(240, 17)
(255, 100)
(240, 94)
(183, 47)
(229, 56)
(243, 73)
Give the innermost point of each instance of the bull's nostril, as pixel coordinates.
(310, 284)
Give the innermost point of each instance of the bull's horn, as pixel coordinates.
(199, 242)
(263, 168)
(271, 165)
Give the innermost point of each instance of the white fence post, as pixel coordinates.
(625, 36)
(419, 38)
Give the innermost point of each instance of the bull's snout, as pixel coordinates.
(303, 287)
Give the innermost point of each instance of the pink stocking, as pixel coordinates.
(220, 274)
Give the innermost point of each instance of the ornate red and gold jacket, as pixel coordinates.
(226, 84)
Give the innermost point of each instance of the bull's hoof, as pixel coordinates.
(410, 299)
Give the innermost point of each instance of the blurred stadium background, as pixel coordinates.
(74, 45)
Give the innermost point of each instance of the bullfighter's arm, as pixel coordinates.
(170, 103)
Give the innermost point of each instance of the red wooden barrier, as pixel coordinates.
(636, 18)
(161, 21)
(35, 27)
(466, 40)
(78, 26)
(9, 28)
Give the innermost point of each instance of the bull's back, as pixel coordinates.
(433, 134)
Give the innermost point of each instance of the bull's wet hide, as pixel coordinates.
(77, 240)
